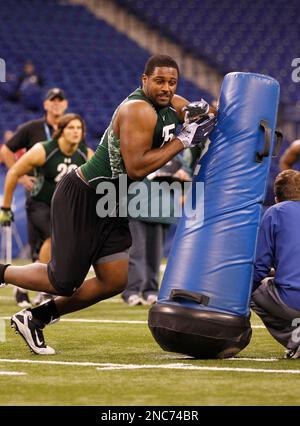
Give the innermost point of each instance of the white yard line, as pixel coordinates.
(12, 373)
(103, 321)
(254, 359)
(188, 357)
(68, 363)
(176, 366)
(114, 300)
(195, 367)
(84, 320)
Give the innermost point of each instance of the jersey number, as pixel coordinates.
(167, 132)
(63, 169)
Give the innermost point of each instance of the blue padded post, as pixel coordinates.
(203, 306)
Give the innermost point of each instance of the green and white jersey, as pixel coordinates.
(107, 162)
(57, 165)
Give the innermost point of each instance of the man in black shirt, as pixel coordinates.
(27, 135)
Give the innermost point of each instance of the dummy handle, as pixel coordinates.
(268, 134)
(278, 142)
(189, 295)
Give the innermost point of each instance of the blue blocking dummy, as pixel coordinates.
(203, 306)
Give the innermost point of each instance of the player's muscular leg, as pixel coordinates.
(45, 251)
(30, 277)
(111, 279)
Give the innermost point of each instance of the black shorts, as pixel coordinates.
(38, 225)
(79, 237)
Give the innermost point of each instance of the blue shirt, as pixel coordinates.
(278, 246)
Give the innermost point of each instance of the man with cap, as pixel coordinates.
(27, 135)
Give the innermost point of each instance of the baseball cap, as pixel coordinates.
(55, 92)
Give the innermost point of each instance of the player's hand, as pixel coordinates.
(27, 181)
(195, 110)
(196, 133)
(6, 216)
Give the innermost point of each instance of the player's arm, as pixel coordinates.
(18, 141)
(265, 248)
(135, 124)
(290, 156)
(90, 153)
(35, 157)
(8, 156)
(9, 160)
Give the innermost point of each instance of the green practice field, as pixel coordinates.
(107, 356)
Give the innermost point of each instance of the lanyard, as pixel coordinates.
(47, 131)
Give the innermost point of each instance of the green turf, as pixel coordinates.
(116, 343)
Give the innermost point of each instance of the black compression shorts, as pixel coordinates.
(79, 237)
(38, 224)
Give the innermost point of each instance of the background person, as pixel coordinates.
(51, 160)
(25, 137)
(277, 300)
(29, 87)
(30, 75)
(6, 136)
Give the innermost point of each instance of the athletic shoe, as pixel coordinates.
(134, 300)
(31, 331)
(292, 353)
(41, 298)
(151, 299)
(22, 299)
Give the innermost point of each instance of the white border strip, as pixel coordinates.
(12, 373)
